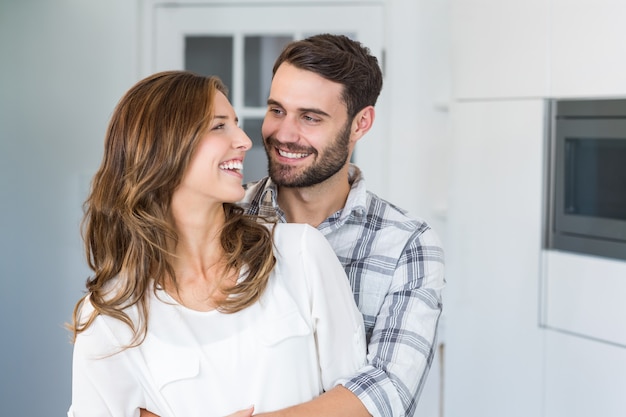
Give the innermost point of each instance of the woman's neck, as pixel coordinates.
(198, 258)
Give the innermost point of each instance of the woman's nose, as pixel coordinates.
(244, 141)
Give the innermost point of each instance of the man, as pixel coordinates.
(321, 103)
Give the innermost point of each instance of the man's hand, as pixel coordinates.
(337, 402)
(243, 413)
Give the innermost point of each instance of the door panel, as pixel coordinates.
(240, 43)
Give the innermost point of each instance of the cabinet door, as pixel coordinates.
(239, 42)
(492, 251)
(500, 48)
(588, 55)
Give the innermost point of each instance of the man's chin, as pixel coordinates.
(281, 181)
(286, 182)
(284, 176)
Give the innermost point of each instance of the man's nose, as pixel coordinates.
(286, 130)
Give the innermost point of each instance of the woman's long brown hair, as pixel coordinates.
(150, 140)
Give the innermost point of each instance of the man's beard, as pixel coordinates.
(332, 159)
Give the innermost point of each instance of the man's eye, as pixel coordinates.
(311, 119)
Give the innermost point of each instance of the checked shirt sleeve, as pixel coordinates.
(401, 348)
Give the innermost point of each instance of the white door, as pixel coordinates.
(239, 42)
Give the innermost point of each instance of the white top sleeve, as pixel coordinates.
(337, 320)
(102, 380)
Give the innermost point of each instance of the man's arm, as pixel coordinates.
(243, 413)
(402, 344)
(338, 402)
(401, 348)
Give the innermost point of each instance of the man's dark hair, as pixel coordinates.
(339, 59)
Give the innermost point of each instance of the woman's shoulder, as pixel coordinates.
(293, 228)
(291, 233)
(301, 241)
(108, 292)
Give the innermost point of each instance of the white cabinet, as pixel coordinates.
(586, 338)
(588, 52)
(501, 48)
(585, 296)
(539, 48)
(529, 333)
(494, 346)
(584, 378)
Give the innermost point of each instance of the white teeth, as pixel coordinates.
(292, 155)
(232, 165)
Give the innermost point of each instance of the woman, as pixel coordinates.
(195, 309)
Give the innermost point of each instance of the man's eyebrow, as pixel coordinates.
(314, 110)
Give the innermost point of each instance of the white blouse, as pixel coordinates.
(299, 339)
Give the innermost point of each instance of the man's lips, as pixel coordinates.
(292, 155)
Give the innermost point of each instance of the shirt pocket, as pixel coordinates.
(280, 329)
(169, 363)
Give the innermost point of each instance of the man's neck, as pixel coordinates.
(315, 204)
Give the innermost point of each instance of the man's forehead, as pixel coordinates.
(302, 89)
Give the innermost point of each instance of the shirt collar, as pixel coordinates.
(355, 203)
(355, 206)
(357, 197)
(269, 199)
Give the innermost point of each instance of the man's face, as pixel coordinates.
(306, 131)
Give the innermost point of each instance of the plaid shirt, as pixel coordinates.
(396, 270)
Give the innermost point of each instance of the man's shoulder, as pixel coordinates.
(390, 213)
(387, 222)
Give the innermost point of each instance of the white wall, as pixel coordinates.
(63, 66)
(417, 85)
(417, 88)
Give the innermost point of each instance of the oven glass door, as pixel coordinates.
(591, 178)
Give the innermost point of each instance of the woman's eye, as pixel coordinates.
(218, 126)
(275, 111)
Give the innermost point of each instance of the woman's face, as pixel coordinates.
(215, 171)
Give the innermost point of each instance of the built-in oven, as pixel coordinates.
(587, 177)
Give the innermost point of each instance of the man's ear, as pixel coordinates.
(363, 122)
